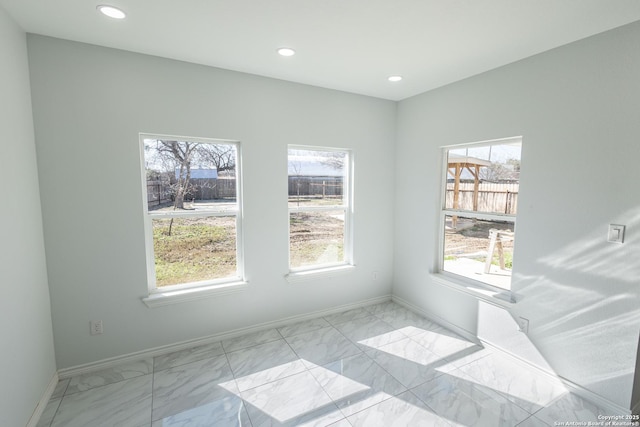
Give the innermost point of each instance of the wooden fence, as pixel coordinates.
(160, 192)
(492, 197)
(315, 186)
(212, 188)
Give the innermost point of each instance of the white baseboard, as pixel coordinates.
(114, 361)
(44, 400)
(580, 391)
(157, 351)
(612, 408)
(602, 402)
(437, 319)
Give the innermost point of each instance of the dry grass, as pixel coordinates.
(316, 238)
(196, 249)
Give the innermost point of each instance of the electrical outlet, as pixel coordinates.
(96, 327)
(523, 325)
(616, 233)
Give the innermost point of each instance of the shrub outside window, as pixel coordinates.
(319, 207)
(192, 211)
(478, 218)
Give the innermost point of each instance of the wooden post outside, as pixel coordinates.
(500, 253)
(493, 237)
(496, 237)
(476, 187)
(456, 195)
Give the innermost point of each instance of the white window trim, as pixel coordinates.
(193, 290)
(319, 273)
(305, 273)
(480, 290)
(162, 298)
(475, 288)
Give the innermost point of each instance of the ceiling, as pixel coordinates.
(349, 45)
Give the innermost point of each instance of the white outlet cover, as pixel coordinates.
(616, 233)
(96, 327)
(523, 325)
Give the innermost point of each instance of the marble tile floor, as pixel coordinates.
(380, 365)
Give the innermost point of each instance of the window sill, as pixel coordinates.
(495, 296)
(319, 273)
(159, 298)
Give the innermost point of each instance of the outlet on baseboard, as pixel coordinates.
(96, 327)
(523, 325)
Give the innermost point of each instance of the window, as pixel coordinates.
(319, 208)
(480, 198)
(192, 211)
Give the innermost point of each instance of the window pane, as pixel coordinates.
(184, 175)
(469, 242)
(484, 178)
(316, 178)
(194, 249)
(316, 238)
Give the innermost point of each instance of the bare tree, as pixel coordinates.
(222, 156)
(296, 165)
(176, 158)
(181, 154)
(506, 171)
(334, 160)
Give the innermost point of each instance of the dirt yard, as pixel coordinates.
(316, 238)
(471, 239)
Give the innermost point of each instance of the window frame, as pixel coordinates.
(481, 288)
(184, 291)
(302, 273)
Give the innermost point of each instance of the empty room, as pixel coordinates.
(337, 213)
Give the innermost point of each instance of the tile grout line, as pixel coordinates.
(64, 393)
(308, 370)
(227, 351)
(252, 345)
(505, 395)
(382, 367)
(153, 382)
(475, 387)
(475, 384)
(56, 411)
(235, 380)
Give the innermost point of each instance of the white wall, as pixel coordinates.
(578, 110)
(576, 107)
(27, 360)
(90, 103)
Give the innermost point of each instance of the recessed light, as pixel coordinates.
(111, 12)
(395, 78)
(286, 51)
